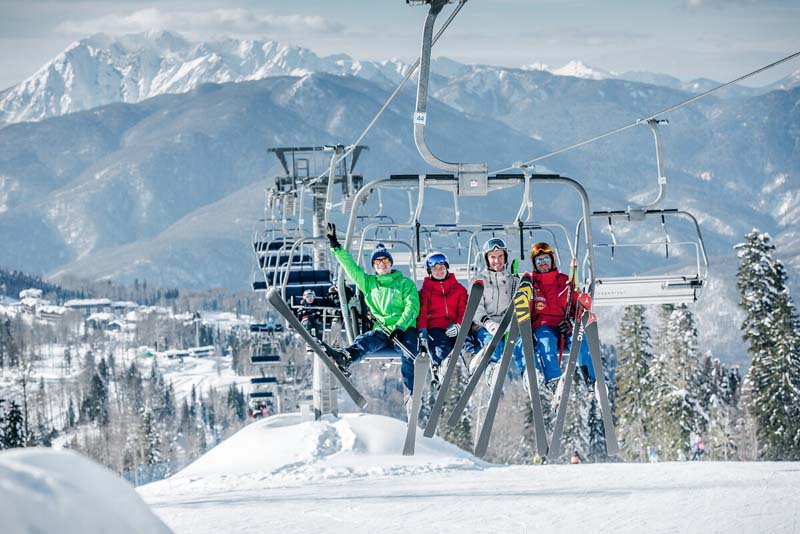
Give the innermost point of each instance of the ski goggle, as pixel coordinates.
(435, 259)
(494, 243)
(384, 260)
(541, 248)
(542, 259)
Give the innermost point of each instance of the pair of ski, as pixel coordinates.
(521, 329)
(585, 327)
(517, 320)
(422, 364)
(321, 349)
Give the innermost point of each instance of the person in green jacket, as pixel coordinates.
(393, 302)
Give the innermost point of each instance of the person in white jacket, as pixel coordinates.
(499, 287)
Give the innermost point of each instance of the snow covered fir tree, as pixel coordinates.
(667, 393)
(772, 331)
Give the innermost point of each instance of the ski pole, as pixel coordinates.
(398, 343)
(573, 270)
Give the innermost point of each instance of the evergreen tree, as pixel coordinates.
(70, 414)
(2, 425)
(461, 434)
(721, 403)
(236, 402)
(678, 388)
(132, 382)
(634, 386)
(576, 428)
(149, 439)
(14, 434)
(772, 330)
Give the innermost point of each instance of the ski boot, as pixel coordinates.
(436, 375)
(341, 358)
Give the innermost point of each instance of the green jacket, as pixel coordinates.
(392, 298)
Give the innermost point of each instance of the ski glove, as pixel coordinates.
(396, 335)
(452, 330)
(492, 326)
(330, 233)
(423, 334)
(564, 327)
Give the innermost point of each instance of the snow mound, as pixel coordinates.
(42, 490)
(282, 449)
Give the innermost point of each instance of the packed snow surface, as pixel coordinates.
(43, 490)
(347, 475)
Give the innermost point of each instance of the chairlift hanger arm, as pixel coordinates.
(662, 179)
(472, 176)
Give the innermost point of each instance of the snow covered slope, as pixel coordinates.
(346, 475)
(283, 449)
(43, 490)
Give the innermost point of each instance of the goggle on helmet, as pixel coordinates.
(492, 244)
(436, 258)
(542, 248)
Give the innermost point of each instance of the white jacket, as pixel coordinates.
(498, 292)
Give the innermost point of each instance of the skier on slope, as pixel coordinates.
(549, 317)
(392, 300)
(498, 293)
(442, 301)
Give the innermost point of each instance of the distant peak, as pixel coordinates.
(579, 69)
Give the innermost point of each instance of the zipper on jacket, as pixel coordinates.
(444, 296)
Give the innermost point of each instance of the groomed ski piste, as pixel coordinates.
(347, 475)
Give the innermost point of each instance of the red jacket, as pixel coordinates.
(441, 303)
(549, 304)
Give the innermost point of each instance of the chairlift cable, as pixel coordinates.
(405, 79)
(653, 116)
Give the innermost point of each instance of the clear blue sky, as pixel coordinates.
(718, 39)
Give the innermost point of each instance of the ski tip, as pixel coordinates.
(478, 281)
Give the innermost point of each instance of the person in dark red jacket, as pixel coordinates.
(442, 301)
(549, 317)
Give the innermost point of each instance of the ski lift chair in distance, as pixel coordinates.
(679, 284)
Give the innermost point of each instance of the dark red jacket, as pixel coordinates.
(550, 293)
(441, 303)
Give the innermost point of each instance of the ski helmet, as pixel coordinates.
(494, 243)
(309, 294)
(542, 248)
(436, 258)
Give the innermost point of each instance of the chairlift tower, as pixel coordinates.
(291, 248)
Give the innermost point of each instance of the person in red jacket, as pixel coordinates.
(442, 301)
(549, 317)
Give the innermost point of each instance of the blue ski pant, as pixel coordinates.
(484, 337)
(375, 340)
(546, 340)
(439, 344)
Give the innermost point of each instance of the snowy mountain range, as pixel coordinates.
(100, 70)
(168, 188)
